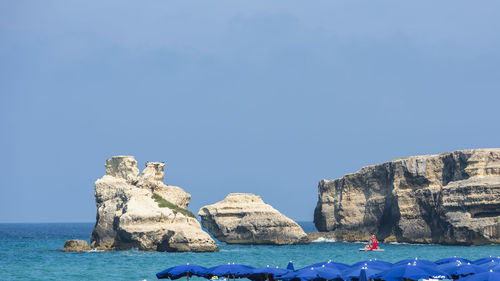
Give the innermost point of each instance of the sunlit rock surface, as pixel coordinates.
(128, 217)
(243, 218)
(450, 198)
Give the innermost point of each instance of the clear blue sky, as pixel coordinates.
(266, 97)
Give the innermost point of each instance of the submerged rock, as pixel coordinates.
(450, 198)
(142, 212)
(243, 218)
(76, 246)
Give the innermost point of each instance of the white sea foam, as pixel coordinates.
(413, 244)
(324, 240)
(94, 250)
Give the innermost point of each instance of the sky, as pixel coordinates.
(266, 97)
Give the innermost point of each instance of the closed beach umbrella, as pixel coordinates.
(229, 270)
(417, 260)
(354, 272)
(177, 272)
(452, 260)
(362, 275)
(484, 276)
(290, 266)
(412, 272)
(373, 262)
(461, 269)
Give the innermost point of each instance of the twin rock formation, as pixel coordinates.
(140, 211)
(450, 198)
(129, 213)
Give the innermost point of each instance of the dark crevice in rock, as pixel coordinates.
(487, 214)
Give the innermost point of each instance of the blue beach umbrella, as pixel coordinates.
(486, 260)
(331, 264)
(263, 273)
(308, 274)
(411, 271)
(177, 272)
(290, 266)
(374, 262)
(292, 274)
(270, 270)
(354, 272)
(417, 260)
(484, 276)
(329, 273)
(461, 269)
(489, 264)
(229, 270)
(495, 266)
(452, 260)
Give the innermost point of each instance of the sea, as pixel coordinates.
(32, 251)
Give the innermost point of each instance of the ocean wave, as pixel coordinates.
(94, 250)
(413, 244)
(324, 240)
(355, 242)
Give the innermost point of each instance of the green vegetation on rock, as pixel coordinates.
(163, 203)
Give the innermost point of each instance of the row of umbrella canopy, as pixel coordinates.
(456, 268)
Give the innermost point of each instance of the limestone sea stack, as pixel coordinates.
(450, 198)
(243, 218)
(140, 211)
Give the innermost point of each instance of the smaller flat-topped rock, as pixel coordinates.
(243, 218)
(76, 246)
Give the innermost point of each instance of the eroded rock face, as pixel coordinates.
(128, 217)
(243, 218)
(451, 198)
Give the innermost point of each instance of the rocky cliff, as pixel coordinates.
(140, 211)
(450, 198)
(245, 219)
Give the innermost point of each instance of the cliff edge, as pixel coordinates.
(450, 198)
(142, 212)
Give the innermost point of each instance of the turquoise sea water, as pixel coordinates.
(32, 252)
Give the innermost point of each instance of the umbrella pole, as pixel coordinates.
(187, 277)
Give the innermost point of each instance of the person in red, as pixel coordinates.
(374, 243)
